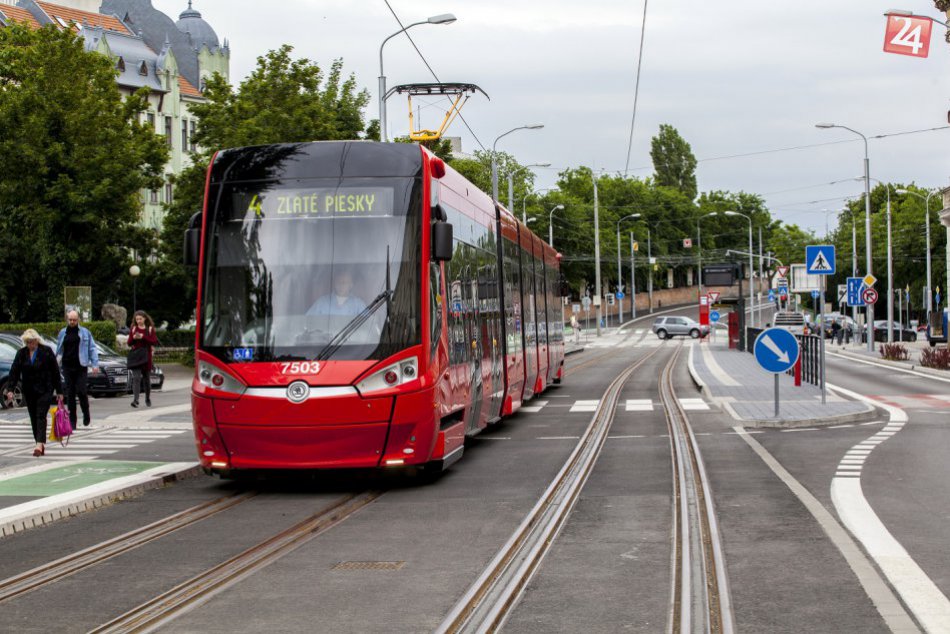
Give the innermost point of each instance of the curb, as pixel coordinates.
(21, 517)
(870, 414)
(894, 364)
(568, 353)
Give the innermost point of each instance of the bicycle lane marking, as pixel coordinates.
(69, 477)
(925, 600)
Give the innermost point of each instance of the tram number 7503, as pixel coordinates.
(300, 367)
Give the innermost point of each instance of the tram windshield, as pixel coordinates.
(313, 269)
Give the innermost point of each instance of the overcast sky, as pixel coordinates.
(733, 76)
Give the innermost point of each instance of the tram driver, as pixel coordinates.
(340, 301)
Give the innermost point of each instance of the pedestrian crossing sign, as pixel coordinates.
(820, 259)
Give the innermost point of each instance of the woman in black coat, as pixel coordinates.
(36, 368)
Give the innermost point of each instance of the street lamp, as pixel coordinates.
(134, 271)
(445, 18)
(597, 296)
(551, 225)
(528, 221)
(867, 220)
(929, 306)
(890, 268)
(619, 267)
(511, 187)
(494, 161)
(751, 272)
(699, 247)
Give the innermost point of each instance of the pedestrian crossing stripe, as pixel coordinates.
(639, 405)
(631, 405)
(80, 445)
(585, 406)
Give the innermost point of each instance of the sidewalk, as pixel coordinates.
(860, 351)
(736, 382)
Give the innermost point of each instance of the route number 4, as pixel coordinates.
(907, 35)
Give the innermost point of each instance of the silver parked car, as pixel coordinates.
(666, 327)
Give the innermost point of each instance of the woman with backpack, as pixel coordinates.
(142, 339)
(36, 368)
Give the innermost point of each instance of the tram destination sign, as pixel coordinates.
(315, 202)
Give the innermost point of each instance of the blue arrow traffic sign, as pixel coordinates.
(855, 292)
(815, 294)
(620, 295)
(714, 316)
(820, 259)
(776, 350)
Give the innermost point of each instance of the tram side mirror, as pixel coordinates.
(438, 214)
(192, 241)
(441, 242)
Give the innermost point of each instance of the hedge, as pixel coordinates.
(176, 339)
(103, 331)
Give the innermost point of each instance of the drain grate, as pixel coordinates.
(369, 565)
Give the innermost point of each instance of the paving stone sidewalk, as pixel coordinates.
(735, 381)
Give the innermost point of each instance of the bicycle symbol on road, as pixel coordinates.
(95, 471)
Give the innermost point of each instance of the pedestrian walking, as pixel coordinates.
(36, 369)
(576, 328)
(840, 333)
(836, 332)
(78, 355)
(142, 339)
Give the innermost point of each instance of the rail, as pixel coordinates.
(700, 597)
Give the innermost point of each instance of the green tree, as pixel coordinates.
(673, 161)
(73, 157)
(478, 171)
(282, 101)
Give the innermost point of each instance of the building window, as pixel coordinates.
(168, 193)
(153, 196)
(151, 120)
(194, 127)
(184, 134)
(168, 131)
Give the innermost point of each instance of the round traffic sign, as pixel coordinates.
(620, 295)
(776, 350)
(714, 316)
(869, 296)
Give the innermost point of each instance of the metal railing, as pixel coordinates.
(809, 358)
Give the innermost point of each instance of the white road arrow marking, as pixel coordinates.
(771, 345)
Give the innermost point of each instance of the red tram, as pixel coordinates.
(361, 305)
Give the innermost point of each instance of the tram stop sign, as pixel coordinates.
(776, 350)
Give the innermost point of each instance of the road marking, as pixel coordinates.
(919, 592)
(624, 437)
(535, 408)
(720, 375)
(887, 605)
(640, 405)
(585, 406)
(695, 404)
(558, 438)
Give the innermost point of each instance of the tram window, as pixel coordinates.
(435, 305)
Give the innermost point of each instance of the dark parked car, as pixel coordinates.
(113, 377)
(7, 353)
(900, 332)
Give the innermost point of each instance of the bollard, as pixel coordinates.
(798, 372)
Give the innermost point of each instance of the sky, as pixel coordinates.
(734, 77)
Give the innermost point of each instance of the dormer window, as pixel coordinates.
(120, 65)
(143, 69)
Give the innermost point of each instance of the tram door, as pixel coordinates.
(493, 342)
(474, 347)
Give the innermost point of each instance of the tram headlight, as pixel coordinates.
(391, 376)
(216, 379)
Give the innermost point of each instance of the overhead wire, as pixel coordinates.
(636, 90)
(426, 62)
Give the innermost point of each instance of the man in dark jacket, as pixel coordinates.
(77, 350)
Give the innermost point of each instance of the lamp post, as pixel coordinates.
(890, 268)
(619, 267)
(929, 305)
(511, 187)
(551, 224)
(699, 247)
(597, 296)
(134, 271)
(524, 201)
(633, 278)
(445, 18)
(494, 161)
(867, 222)
(751, 272)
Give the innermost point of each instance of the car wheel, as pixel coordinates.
(17, 397)
(694, 333)
(661, 334)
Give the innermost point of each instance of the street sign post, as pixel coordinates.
(820, 259)
(776, 350)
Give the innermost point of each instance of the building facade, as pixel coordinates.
(172, 59)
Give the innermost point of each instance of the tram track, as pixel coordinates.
(71, 564)
(699, 594)
(194, 592)
(487, 603)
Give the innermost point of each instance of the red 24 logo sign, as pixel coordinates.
(908, 35)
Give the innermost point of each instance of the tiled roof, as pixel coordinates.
(67, 15)
(18, 14)
(186, 88)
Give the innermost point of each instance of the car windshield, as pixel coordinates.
(7, 351)
(313, 269)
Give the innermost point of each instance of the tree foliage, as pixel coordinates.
(673, 161)
(283, 101)
(73, 158)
